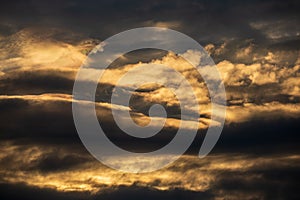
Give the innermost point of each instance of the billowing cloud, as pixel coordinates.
(43, 167)
(255, 46)
(246, 84)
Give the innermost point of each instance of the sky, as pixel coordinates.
(255, 47)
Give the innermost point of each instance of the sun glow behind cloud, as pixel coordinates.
(188, 173)
(266, 89)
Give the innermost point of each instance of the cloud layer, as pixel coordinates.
(255, 45)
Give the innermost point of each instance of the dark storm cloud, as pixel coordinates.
(43, 158)
(29, 82)
(22, 191)
(47, 122)
(50, 121)
(39, 138)
(293, 44)
(267, 178)
(34, 121)
(205, 21)
(52, 162)
(149, 194)
(15, 192)
(260, 136)
(277, 182)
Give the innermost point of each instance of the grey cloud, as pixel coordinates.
(17, 191)
(23, 191)
(205, 21)
(266, 109)
(42, 158)
(49, 121)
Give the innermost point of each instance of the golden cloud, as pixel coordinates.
(188, 173)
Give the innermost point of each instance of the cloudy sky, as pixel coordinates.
(255, 46)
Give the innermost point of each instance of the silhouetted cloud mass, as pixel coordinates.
(255, 46)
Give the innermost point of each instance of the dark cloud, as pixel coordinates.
(264, 183)
(51, 121)
(266, 179)
(44, 158)
(53, 162)
(36, 116)
(259, 136)
(146, 193)
(293, 44)
(22, 191)
(17, 191)
(205, 21)
(28, 82)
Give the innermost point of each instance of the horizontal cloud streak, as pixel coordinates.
(78, 172)
(255, 46)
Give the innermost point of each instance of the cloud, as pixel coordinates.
(290, 86)
(245, 83)
(22, 82)
(259, 75)
(273, 110)
(255, 46)
(214, 176)
(164, 24)
(17, 191)
(34, 48)
(277, 29)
